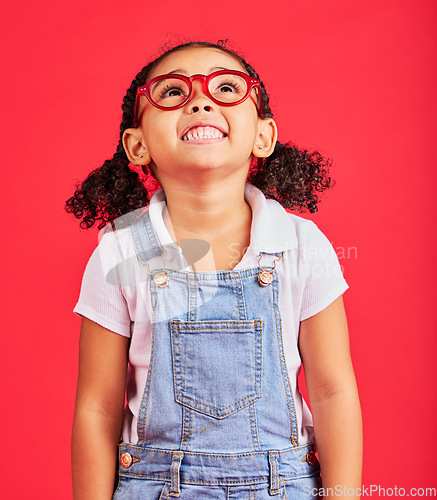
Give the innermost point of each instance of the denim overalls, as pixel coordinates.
(217, 417)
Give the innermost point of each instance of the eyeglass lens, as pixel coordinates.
(226, 88)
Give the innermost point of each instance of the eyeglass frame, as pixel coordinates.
(144, 90)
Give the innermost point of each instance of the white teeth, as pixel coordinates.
(203, 133)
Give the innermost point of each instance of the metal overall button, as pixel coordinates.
(265, 276)
(310, 457)
(126, 460)
(161, 279)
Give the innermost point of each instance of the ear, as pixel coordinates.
(133, 143)
(266, 138)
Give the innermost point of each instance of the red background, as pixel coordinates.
(353, 79)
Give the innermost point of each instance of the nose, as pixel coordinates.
(205, 107)
(199, 100)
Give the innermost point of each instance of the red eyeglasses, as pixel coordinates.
(226, 88)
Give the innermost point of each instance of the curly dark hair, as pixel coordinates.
(290, 175)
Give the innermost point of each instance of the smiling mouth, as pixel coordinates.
(203, 133)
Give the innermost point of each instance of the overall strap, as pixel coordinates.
(146, 242)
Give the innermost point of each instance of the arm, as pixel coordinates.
(333, 396)
(103, 357)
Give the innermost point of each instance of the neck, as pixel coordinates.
(203, 210)
(209, 206)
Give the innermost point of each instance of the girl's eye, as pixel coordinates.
(171, 91)
(228, 87)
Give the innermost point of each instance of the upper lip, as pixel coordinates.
(202, 123)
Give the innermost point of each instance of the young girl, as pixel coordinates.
(201, 304)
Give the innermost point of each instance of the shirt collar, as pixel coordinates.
(272, 228)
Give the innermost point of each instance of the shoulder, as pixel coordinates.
(116, 243)
(294, 230)
(304, 240)
(300, 224)
(113, 244)
(313, 246)
(307, 231)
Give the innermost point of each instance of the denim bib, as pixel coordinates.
(217, 417)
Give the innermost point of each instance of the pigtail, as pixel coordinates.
(107, 193)
(293, 177)
(114, 189)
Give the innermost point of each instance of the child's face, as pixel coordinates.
(161, 132)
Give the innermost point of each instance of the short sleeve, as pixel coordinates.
(100, 300)
(324, 280)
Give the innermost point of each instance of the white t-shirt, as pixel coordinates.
(310, 278)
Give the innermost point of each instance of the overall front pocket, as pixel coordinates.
(217, 365)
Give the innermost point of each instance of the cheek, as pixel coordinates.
(248, 118)
(246, 128)
(159, 130)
